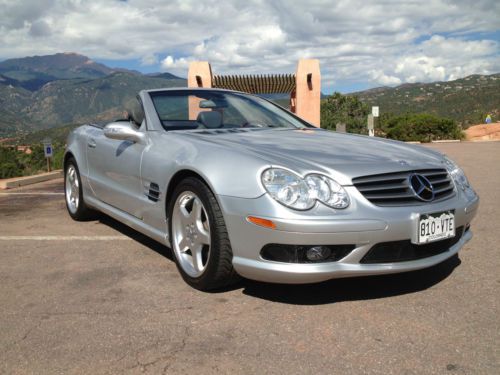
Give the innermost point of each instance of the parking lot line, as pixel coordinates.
(32, 193)
(64, 238)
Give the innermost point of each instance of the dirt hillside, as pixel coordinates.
(483, 132)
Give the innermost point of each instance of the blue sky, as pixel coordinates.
(359, 44)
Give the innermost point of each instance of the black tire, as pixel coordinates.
(82, 212)
(219, 271)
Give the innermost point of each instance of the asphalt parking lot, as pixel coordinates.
(97, 297)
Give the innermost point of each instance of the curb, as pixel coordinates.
(9, 183)
(447, 141)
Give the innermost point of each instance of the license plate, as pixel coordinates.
(436, 226)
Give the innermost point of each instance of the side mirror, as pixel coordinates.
(124, 132)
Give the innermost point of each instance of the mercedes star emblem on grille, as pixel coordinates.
(421, 186)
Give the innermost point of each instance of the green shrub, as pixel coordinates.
(9, 163)
(420, 127)
(8, 169)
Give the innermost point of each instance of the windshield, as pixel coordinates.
(205, 109)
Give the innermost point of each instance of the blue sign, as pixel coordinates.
(48, 151)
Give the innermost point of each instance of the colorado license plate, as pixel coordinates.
(436, 226)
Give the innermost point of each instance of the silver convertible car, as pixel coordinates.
(238, 186)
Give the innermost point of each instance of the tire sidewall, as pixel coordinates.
(202, 191)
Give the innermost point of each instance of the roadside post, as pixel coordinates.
(340, 127)
(48, 151)
(371, 129)
(371, 121)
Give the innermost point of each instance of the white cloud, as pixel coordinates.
(441, 59)
(172, 64)
(377, 42)
(384, 79)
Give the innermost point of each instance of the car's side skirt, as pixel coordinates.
(129, 220)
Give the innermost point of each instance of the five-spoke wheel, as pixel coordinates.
(198, 236)
(191, 233)
(72, 189)
(73, 193)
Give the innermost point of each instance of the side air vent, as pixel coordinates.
(154, 192)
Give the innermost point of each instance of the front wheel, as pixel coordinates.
(198, 236)
(73, 193)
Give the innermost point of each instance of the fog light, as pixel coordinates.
(318, 253)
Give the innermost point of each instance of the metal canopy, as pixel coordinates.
(256, 84)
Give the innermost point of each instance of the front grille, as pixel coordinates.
(404, 251)
(393, 189)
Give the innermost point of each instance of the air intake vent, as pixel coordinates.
(393, 189)
(405, 251)
(154, 192)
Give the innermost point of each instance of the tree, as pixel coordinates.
(9, 164)
(348, 110)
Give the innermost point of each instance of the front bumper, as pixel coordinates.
(362, 225)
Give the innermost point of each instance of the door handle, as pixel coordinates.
(91, 143)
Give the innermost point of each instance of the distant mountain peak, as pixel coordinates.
(164, 75)
(66, 65)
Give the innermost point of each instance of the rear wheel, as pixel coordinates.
(199, 238)
(73, 193)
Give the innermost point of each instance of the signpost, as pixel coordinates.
(48, 151)
(371, 121)
(371, 128)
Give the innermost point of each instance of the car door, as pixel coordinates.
(115, 171)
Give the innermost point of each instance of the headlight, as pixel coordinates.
(327, 191)
(301, 194)
(459, 177)
(288, 189)
(456, 173)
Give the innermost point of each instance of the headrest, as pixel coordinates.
(135, 111)
(211, 119)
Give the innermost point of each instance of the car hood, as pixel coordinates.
(344, 156)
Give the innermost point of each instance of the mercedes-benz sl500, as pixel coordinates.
(238, 186)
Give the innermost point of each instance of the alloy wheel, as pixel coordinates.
(191, 234)
(72, 189)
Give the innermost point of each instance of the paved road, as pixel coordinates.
(97, 297)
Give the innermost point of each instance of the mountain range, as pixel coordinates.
(43, 92)
(467, 100)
